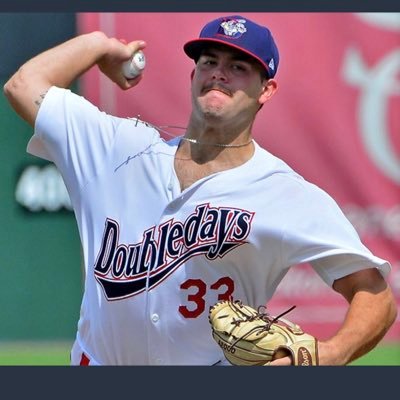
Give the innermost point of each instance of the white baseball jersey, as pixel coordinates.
(157, 258)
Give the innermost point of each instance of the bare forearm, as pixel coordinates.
(59, 66)
(370, 315)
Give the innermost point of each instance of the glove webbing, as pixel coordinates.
(260, 315)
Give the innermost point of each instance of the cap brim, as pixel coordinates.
(194, 47)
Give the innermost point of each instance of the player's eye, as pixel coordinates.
(206, 63)
(209, 61)
(240, 67)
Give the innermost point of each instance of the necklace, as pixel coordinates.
(194, 141)
(216, 144)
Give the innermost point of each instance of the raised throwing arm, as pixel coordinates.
(61, 65)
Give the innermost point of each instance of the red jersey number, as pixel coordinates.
(225, 287)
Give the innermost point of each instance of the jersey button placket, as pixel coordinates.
(157, 348)
(155, 318)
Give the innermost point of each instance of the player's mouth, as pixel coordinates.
(218, 87)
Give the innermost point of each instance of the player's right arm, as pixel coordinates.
(63, 64)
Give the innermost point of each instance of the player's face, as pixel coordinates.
(227, 83)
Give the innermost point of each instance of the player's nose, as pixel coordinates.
(220, 73)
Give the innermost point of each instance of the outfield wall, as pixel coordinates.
(40, 261)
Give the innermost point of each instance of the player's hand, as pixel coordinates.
(111, 63)
(326, 355)
(284, 361)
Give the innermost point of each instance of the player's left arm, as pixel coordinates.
(372, 310)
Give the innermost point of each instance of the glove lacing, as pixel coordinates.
(263, 315)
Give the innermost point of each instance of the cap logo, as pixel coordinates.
(233, 28)
(271, 64)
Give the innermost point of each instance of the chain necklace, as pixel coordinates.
(216, 144)
(194, 141)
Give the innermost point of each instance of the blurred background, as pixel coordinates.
(335, 119)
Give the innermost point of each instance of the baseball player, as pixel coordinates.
(169, 228)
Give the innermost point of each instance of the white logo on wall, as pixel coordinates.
(42, 189)
(378, 84)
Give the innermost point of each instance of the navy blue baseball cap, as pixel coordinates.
(242, 34)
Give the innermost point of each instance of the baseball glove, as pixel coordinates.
(252, 337)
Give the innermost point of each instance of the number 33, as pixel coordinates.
(198, 297)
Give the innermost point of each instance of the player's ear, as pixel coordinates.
(270, 86)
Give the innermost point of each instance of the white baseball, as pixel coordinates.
(134, 66)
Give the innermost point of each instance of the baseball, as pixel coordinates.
(134, 66)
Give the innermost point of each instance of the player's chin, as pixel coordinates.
(213, 107)
(213, 114)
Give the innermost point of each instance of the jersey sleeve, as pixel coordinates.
(72, 133)
(317, 232)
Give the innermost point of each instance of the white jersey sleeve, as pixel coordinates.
(322, 235)
(66, 127)
(78, 137)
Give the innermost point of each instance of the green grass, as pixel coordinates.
(57, 353)
(384, 354)
(34, 353)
